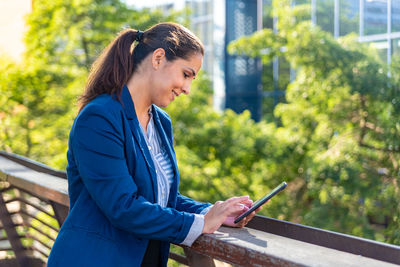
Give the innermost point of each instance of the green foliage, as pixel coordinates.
(337, 144)
(178, 250)
(225, 154)
(341, 120)
(69, 35)
(34, 110)
(38, 96)
(45, 230)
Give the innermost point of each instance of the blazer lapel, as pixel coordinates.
(133, 121)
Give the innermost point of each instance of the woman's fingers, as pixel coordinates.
(232, 200)
(250, 216)
(230, 219)
(237, 202)
(225, 212)
(249, 203)
(221, 210)
(245, 220)
(234, 208)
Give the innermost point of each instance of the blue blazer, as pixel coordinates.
(112, 186)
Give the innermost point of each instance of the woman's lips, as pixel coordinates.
(174, 94)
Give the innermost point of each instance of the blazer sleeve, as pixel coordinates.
(187, 204)
(97, 142)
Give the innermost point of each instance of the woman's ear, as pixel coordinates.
(158, 58)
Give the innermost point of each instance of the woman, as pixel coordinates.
(125, 207)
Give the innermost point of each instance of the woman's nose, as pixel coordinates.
(186, 89)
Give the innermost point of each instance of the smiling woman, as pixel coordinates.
(164, 79)
(125, 206)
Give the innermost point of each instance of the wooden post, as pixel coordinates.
(12, 235)
(196, 259)
(60, 212)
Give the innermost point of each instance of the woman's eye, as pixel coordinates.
(186, 75)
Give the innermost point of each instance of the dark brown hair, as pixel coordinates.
(111, 71)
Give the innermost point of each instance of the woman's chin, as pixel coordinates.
(164, 104)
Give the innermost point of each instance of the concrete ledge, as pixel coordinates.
(37, 183)
(250, 247)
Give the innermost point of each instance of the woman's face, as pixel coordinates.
(172, 78)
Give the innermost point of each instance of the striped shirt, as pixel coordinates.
(162, 162)
(165, 176)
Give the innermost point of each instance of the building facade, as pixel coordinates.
(375, 21)
(237, 80)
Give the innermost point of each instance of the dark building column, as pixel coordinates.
(242, 74)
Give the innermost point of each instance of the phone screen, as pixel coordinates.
(262, 201)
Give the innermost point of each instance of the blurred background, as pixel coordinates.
(302, 91)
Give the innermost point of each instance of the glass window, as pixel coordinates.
(267, 78)
(207, 63)
(301, 2)
(205, 8)
(267, 81)
(325, 15)
(349, 13)
(200, 8)
(284, 73)
(210, 30)
(395, 47)
(396, 16)
(375, 16)
(205, 36)
(269, 104)
(381, 47)
(267, 14)
(268, 109)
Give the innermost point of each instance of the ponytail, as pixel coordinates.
(111, 71)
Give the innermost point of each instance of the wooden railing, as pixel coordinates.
(34, 204)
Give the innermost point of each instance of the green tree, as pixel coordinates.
(34, 111)
(223, 154)
(69, 35)
(38, 96)
(337, 145)
(341, 120)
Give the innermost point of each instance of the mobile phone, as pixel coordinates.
(260, 202)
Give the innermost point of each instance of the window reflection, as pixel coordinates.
(375, 16)
(382, 47)
(396, 16)
(396, 47)
(349, 12)
(325, 15)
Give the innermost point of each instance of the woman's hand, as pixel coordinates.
(230, 220)
(223, 211)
